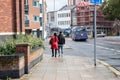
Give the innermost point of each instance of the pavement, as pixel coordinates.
(68, 67)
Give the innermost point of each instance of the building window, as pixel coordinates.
(34, 33)
(40, 21)
(41, 8)
(26, 17)
(36, 18)
(52, 18)
(26, 2)
(36, 3)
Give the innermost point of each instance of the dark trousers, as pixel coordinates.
(54, 52)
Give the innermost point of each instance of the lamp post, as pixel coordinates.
(54, 5)
(54, 15)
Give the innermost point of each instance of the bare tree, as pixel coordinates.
(116, 27)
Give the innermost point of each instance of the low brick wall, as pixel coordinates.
(35, 56)
(31, 57)
(12, 66)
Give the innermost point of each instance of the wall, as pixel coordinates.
(63, 18)
(6, 17)
(11, 17)
(15, 66)
(11, 66)
(33, 11)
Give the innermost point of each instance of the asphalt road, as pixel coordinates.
(107, 49)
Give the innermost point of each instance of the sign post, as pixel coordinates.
(95, 32)
(43, 27)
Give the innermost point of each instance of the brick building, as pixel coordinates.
(83, 15)
(32, 16)
(11, 17)
(20, 16)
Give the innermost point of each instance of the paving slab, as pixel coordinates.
(69, 68)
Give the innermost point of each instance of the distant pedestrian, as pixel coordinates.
(61, 42)
(54, 44)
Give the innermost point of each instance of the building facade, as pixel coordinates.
(74, 2)
(32, 16)
(11, 17)
(20, 16)
(52, 19)
(85, 17)
(64, 18)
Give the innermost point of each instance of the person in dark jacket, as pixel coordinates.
(61, 42)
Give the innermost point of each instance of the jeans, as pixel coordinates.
(54, 52)
(60, 46)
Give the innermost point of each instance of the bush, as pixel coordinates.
(7, 47)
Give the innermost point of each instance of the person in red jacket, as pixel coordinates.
(54, 44)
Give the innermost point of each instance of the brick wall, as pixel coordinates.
(33, 11)
(24, 48)
(6, 16)
(20, 15)
(11, 66)
(10, 16)
(31, 58)
(14, 66)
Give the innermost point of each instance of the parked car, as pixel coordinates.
(101, 35)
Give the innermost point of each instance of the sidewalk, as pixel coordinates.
(68, 67)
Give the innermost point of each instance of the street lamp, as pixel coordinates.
(54, 15)
(54, 5)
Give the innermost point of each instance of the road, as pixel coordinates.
(108, 49)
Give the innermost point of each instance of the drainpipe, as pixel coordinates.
(20, 14)
(14, 22)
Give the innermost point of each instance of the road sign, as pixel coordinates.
(95, 32)
(96, 1)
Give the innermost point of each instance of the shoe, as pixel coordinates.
(59, 55)
(52, 55)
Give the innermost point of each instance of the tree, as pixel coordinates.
(111, 9)
(116, 26)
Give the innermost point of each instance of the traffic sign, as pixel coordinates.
(95, 32)
(96, 1)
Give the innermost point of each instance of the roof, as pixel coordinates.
(83, 3)
(67, 7)
(51, 11)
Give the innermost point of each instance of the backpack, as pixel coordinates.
(50, 42)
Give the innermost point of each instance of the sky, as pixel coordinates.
(58, 4)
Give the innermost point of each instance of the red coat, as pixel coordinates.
(54, 44)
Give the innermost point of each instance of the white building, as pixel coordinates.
(64, 17)
(52, 18)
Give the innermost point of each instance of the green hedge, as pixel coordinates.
(7, 47)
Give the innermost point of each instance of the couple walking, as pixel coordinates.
(57, 43)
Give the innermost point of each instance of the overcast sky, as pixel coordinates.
(58, 4)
